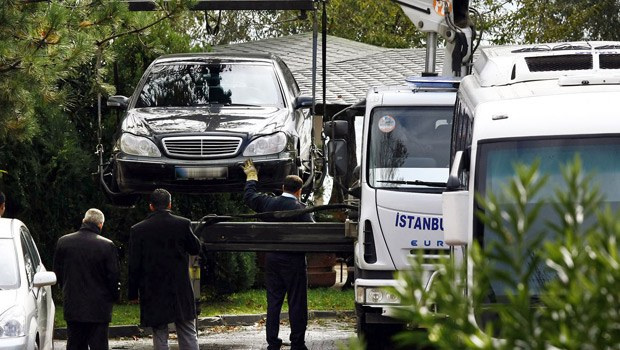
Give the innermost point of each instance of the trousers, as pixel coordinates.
(186, 334)
(285, 275)
(82, 335)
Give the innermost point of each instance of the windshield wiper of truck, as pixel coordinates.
(415, 182)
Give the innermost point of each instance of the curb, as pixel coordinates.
(206, 322)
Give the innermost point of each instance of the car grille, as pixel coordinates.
(202, 146)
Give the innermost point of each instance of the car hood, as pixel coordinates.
(8, 298)
(250, 120)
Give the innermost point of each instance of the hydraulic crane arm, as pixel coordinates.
(450, 20)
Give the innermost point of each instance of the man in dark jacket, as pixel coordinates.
(159, 250)
(285, 272)
(86, 265)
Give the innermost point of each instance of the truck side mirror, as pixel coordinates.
(336, 128)
(455, 207)
(118, 101)
(338, 157)
(461, 160)
(302, 102)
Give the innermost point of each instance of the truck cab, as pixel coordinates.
(404, 165)
(546, 103)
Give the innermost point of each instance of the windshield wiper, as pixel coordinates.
(240, 105)
(415, 182)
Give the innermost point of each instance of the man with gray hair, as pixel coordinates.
(86, 265)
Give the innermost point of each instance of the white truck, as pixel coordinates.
(405, 159)
(404, 166)
(548, 102)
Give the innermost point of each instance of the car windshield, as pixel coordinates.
(409, 147)
(198, 84)
(9, 278)
(600, 158)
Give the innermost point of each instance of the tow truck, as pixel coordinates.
(395, 210)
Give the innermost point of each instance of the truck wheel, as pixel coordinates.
(376, 336)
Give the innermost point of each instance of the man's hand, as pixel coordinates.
(250, 170)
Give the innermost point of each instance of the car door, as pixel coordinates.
(41, 296)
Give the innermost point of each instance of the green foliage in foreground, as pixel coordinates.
(578, 308)
(249, 302)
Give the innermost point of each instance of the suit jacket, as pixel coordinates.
(261, 203)
(159, 250)
(86, 266)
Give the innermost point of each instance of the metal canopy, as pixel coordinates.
(325, 237)
(148, 5)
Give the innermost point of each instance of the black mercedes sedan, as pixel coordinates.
(195, 118)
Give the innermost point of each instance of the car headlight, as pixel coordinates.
(375, 295)
(13, 322)
(138, 146)
(263, 145)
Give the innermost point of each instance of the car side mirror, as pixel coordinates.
(44, 278)
(455, 208)
(118, 101)
(303, 102)
(338, 157)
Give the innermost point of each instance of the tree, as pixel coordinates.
(48, 89)
(530, 21)
(379, 23)
(576, 304)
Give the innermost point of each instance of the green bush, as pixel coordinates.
(230, 272)
(579, 270)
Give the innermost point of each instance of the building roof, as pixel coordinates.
(352, 67)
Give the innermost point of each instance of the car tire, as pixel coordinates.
(113, 194)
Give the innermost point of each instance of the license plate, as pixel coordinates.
(199, 173)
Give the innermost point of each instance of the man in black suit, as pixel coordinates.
(86, 265)
(285, 272)
(159, 250)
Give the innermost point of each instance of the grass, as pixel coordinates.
(249, 302)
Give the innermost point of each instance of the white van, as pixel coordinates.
(546, 102)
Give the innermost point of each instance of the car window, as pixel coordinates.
(9, 276)
(290, 80)
(31, 256)
(197, 84)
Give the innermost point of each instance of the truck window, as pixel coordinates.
(461, 135)
(409, 145)
(600, 158)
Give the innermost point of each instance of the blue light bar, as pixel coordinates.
(434, 82)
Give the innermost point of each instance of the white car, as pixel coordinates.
(26, 306)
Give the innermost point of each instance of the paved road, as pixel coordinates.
(322, 334)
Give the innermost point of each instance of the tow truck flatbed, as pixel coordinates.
(324, 237)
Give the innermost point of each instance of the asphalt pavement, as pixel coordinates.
(322, 334)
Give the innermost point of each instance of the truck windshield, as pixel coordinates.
(409, 147)
(9, 278)
(194, 84)
(600, 158)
